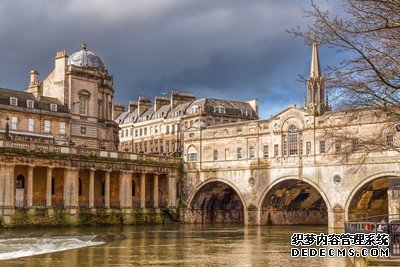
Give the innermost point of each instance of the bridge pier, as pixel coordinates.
(336, 217)
(251, 217)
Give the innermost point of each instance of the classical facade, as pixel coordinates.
(159, 129)
(289, 170)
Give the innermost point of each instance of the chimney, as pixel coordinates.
(160, 101)
(181, 97)
(143, 104)
(34, 78)
(254, 104)
(133, 105)
(117, 109)
(34, 86)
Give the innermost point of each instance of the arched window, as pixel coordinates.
(133, 188)
(192, 154)
(80, 187)
(20, 183)
(292, 142)
(53, 191)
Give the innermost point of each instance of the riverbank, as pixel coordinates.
(59, 217)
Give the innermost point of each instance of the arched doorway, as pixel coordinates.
(216, 202)
(370, 201)
(293, 202)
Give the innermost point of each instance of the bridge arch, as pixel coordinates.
(215, 201)
(369, 199)
(294, 200)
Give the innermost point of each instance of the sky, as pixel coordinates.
(230, 49)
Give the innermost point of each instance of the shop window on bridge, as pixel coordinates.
(252, 152)
(215, 154)
(192, 154)
(292, 142)
(390, 140)
(20, 183)
(322, 147)
(265, 151)
(338, 146)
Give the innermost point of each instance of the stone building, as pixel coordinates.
(73, 104)
(288, 169)
(159, 129)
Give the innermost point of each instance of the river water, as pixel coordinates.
(188, 245)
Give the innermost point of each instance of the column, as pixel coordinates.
(91, 189)
(128, 189)
(155, 192)
(74, 180)
(122, 192)
(67, 189)
(29, 187)
(103, 106)
(108, 106)
(143, 190)
(7, 186)
(171, 191)
(49, 174)
(107, 189)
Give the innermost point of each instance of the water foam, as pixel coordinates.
(22, 247)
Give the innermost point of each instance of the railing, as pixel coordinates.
(392, 229)
(83, 151)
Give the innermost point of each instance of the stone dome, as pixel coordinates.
(85, 58)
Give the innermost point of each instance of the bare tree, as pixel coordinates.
(367, 82)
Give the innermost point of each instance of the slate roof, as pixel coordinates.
(22, 96)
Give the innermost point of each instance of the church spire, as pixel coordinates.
(315, 84)
(315, 71)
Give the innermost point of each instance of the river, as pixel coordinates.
(189, 245)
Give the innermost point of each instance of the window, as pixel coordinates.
(83, 105)
(140, 132)
(252, 152)
(145, 131)
(29, 103)
(136, 133)
(276, 150)
(122, 133)
(291, 142)
(53, 107)
(167, 129)
(338, 146)
(265, 151)
(322, 147)
(13, 101)
(215, 154)
(80, 187)
(46, 126)
(239, 153)
(31, 125)
(390, 140)
(20, 183)
(133, 188)
(219, 110)
(192, 154)
(62, 128)
(14, 123)
(195, 109)
(308, 148)
(83, 130)
(151, 130)
(246, 112)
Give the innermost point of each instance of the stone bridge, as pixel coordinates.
(286, 191)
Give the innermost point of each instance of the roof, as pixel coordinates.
(181, 108)
(232, 107)
(85, 58)
(23, 96)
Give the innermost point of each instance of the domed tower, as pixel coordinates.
(82, 82)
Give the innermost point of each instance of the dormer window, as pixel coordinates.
(29, 103)
(220, 110)
(195, 109)
(246, 112)
(13, 101)
(53, 107)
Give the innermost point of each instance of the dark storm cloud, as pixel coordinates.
(228, 49)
